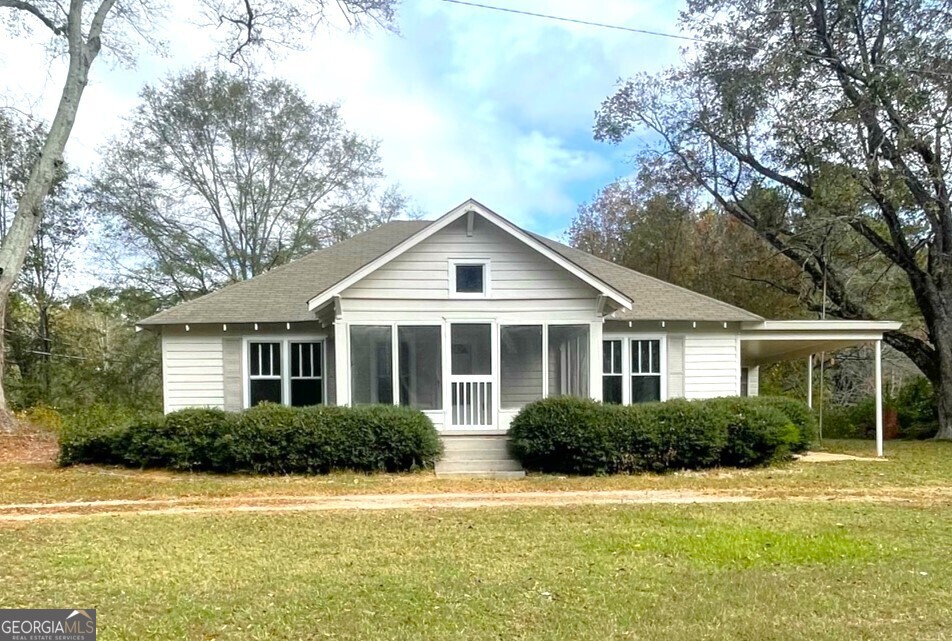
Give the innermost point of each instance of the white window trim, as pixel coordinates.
(486, 263)
(285, 342)
(627, 374)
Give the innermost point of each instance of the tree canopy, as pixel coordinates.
(812, 121)
(221, 177)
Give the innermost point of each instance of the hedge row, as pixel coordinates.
(579, 436)
(267, 439)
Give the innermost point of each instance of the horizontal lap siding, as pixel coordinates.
(517, 272)
(710, 366)
(193, 372)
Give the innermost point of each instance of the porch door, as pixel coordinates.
(471, 376)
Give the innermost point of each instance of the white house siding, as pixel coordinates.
(203, 367)
(521, 280)
(193, 372)
(711, 365)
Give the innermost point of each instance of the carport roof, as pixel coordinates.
(768, 342)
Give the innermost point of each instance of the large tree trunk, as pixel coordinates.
(941, 330)
(943, 398)
(29, 212)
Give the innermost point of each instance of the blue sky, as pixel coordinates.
(465, 102)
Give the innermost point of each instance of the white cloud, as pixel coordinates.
(467, 102)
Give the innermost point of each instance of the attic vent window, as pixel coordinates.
(469, 278)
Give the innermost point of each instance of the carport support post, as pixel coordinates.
(810, 381)
(879, 398)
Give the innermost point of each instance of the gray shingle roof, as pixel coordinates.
(281, 295)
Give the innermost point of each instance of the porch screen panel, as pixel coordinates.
(420, 359)
(568, 360)
(472, 349)
(371, 364)
(520, 349)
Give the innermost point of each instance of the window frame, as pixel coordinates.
(292, 377)
(621, 369)
(270, 377)
(285, 350)
(626, 362)
(485, 263)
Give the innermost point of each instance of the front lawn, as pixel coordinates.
(764, 570)
(798, 563)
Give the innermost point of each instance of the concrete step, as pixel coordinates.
(463, 465)
(483, 475)
(473, 443)
(476, 455)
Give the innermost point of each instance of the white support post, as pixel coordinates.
(810, 381)
(342, 362)
(879, 398)
(595, 360)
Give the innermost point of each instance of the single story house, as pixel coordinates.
(468, 318)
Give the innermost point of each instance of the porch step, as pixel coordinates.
(498, 465)
(466, 445)
(483, 475)
(478, 456)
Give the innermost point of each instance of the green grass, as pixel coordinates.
(809, 568)
(744, 571)
(911, 465)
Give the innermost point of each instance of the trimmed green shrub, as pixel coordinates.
(579, 436)
(408, 435)
(799, 414)
(94, 434)
(564, 434)
(757, 433)
(267, 439)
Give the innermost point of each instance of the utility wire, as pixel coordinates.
(675, 36)
(603, 25)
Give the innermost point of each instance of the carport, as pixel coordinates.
(767, 342)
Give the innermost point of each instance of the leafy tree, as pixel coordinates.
(81, 29)
(659, 225)
(94, 353)
(51, 249)
(221, 177)
(811, 121)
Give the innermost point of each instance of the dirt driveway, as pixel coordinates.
(24, 512)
